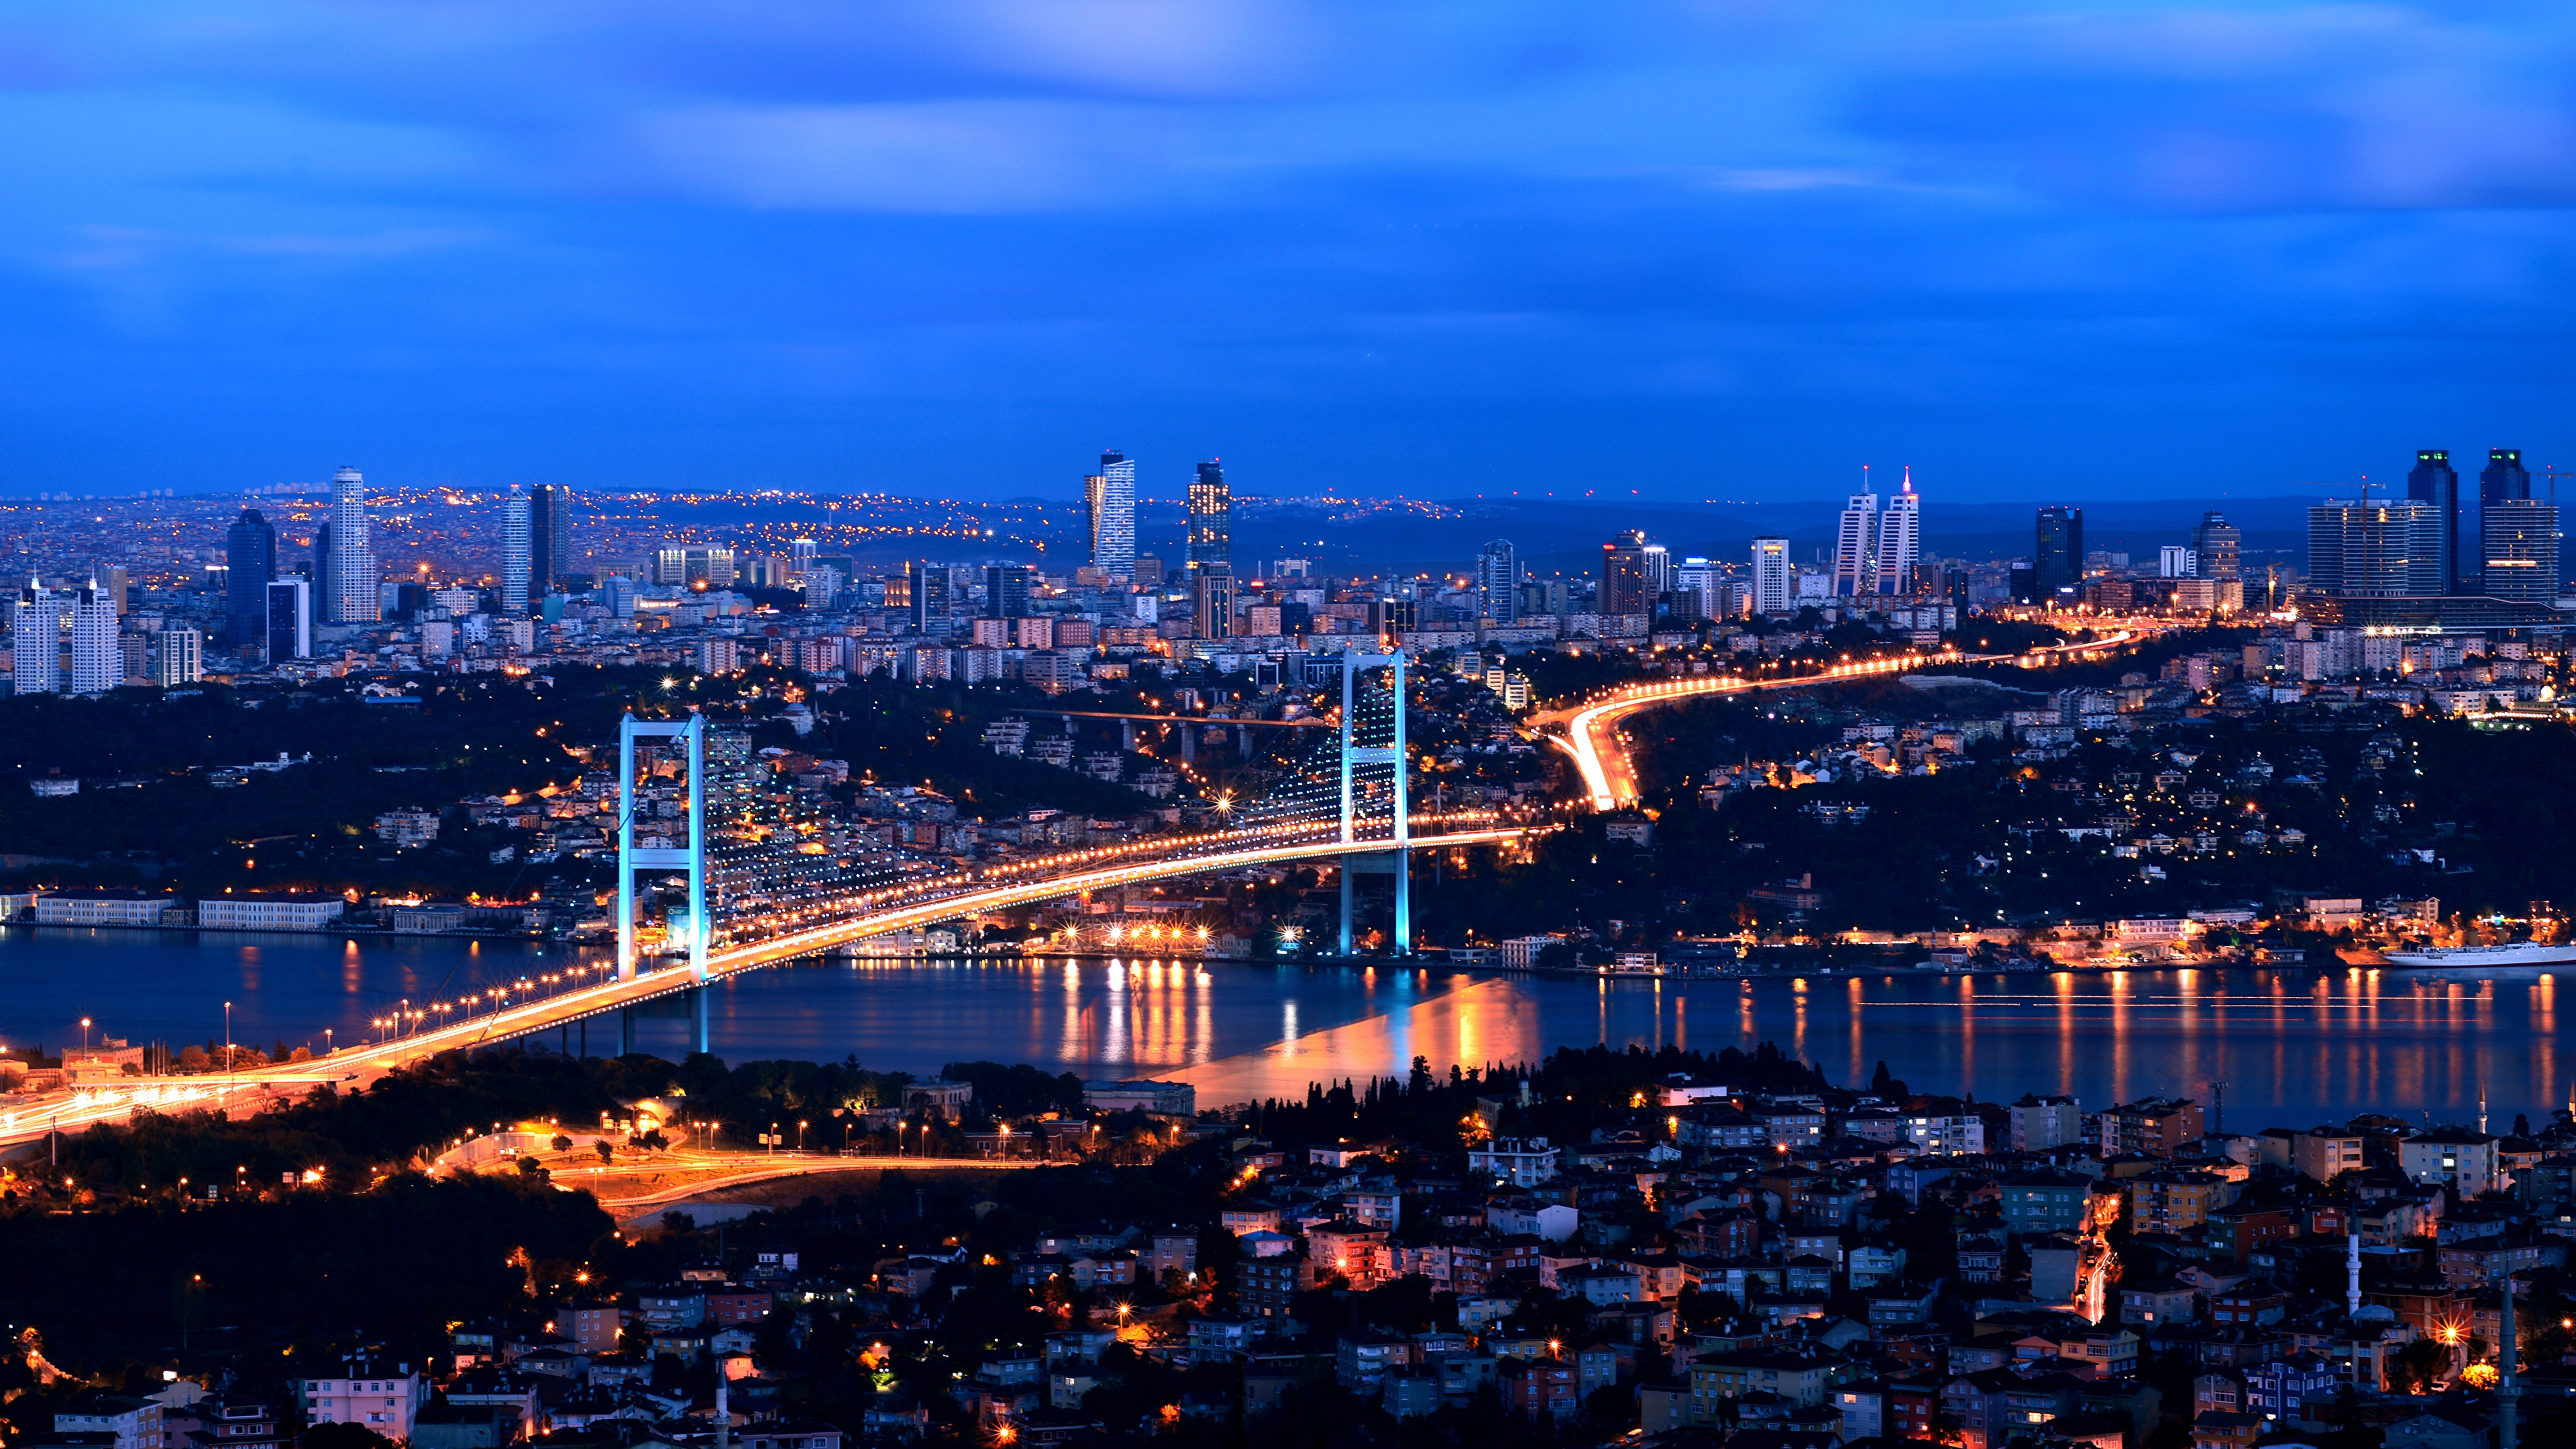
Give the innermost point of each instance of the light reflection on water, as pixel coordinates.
(2293, 1046)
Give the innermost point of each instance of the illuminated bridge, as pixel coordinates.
(723, 869)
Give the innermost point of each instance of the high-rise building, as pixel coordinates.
(2502, 480)
(1703, 583)
(928, 590)
(250, 561)
(350, 582)
(1211, 516)
(2058, 562)
(1856, 547)
(1498, 581)
(1212, 601)
(181, 660)
(2375, 550)
(1629, 579)
(289, 620)
(1109, 498)
(1900, 540)
(690, 567)
(1006, 591)
(36, 640)
(515, 551)
(2518, 550)
(2436, 484)
(800, 557)
(2173, 561)
(2218, 548)
(98, 665)
(1775, 578)
(550, 551)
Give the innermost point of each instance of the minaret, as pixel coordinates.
(2482, 1109)
(2352, 1271)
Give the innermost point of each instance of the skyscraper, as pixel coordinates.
(1627, 586)
(1212, 600)
(2518, 550)
(98, 665)
(36, 640)
(1006, 591)
(250, 561)
(181, 658)
(290, 620)
(1775, 582)
(350, 582)
(928, 588)
(1498, 581)
(550, 552)
(1109, 497)
(1211, 516)
(1856, 547)
(515, 560)
(2218, 549)
(2058, 563)
(1900, 540)
(2375, 550)
(800, 557)
(2502, 480)
(2436, 484)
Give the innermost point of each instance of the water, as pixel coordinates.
(2294, 1047)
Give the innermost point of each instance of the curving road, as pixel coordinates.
(1610, 776)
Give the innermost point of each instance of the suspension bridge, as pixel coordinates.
(724, 868)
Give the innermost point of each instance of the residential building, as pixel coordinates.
(135, 1422)
(2156, 1127)
(384, 1397)
(36, 641)
(2375, 550)
(98, 664)
(2045, 1200)
(1498, 581)
(2518, 550)
(179, 657)
(2453, 1157)
(1522, 1162)
(1947, 1135)
(2039, 1123)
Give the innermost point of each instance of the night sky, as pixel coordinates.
(1699, 251)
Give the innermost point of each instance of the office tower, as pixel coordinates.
(691, 567)
(2057, 566)
(250, 561)
(36, 640)
(550, 553)
(1856, 547)
(800, 557)
(2504, 479)
(1498, 581)
(1212, 601)
(1704, 584)
(1628, 586)
(98, 665)
(2375, 550)
(927, 588)
(2436, 484)
(1006, 591)
(1211, 517)
(350, 581)
(182, 659)
(1544, 597)
(289, 620)
(1775, 581)
(1109, 498)
(514, 552)
(1900, 540)
(2218, 548)
(2173, 561)
(2518, 552)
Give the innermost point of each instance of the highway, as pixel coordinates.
(986, 891)
(1610, 776)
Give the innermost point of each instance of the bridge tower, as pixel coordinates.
(692, 858)
(1399, 860)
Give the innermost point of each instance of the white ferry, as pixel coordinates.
(2520, 953)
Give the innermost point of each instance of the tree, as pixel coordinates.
(561, 1143)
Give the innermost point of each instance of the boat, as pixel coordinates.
(2519, 953)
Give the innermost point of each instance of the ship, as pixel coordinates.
(2519, 953)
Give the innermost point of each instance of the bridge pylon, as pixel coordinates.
(691, 858)
(1356, 754)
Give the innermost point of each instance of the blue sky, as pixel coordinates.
(1706, 250)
